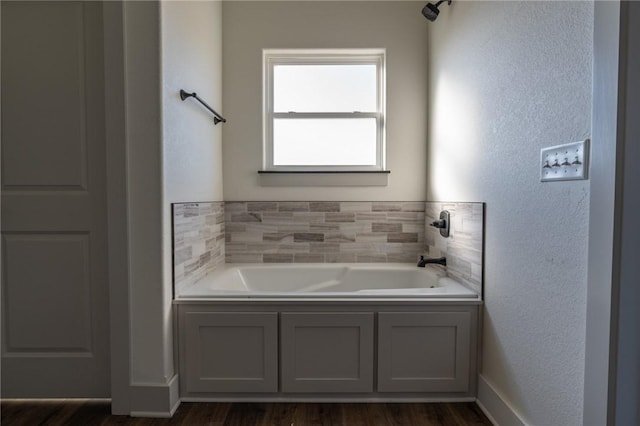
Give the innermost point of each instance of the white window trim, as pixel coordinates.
(272, 57)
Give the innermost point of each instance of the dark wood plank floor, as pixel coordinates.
(92, 412)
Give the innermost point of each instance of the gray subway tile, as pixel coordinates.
(293, 206)
(386, 227)
(386, 206)
(418, 206)
(371, 216)
(278, 236)
(277, 217)
(324, 227)
(340, 237)
(324, 247)
(235, 207)
(300, 237)
(262, 206)
(340, 257)
(402, 257)
(371, 237)
(324, 206)
(277, 258)
(246, 217)
(243, 258)
(371, 258)
(308, 258)
(402, 237)
(340, 217)
(182, 255)
(292, 248)
(355, 206)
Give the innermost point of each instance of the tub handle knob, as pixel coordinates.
(443, 223)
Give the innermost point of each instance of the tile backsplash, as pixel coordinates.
(464, 247)
(324, 231)
(198, 240)
(209, 234)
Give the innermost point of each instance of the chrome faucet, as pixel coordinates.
(440, 261)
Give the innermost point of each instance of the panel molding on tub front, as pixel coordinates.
(327, 352)
(424, 351)
(231, 352)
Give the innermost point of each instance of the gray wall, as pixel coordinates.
(628, 346)
(151, 359)
(395, 25)
(612, 378)
(506, 79)
(603, 205)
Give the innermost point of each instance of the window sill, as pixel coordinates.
(323, 178)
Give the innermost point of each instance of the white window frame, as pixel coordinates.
(273, 57)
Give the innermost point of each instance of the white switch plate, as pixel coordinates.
(565, 162)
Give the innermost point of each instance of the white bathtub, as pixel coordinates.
(378, 280)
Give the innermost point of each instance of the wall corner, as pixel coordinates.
(494, 406)
(155, 400)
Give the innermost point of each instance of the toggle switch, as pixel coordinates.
(555, 164)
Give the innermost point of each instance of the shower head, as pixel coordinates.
(430, 11)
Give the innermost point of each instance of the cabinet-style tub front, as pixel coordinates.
(327, 351)
(229, 352)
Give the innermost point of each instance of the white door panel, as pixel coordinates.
(55, 323)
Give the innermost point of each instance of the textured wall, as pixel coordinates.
(191, 60)
(506, 79)
(190, 52)
(397, 26)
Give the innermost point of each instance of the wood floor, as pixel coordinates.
(92, 412)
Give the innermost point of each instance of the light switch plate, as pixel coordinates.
(565, 162)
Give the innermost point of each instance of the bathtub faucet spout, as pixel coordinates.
(440, 261)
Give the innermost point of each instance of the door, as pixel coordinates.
(55, 313)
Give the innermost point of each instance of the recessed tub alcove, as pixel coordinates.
(323, 301)
(328, 332)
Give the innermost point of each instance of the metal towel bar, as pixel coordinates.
(217, 118)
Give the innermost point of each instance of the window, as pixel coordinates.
(324, 110)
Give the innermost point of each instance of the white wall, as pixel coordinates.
(506, 79)
(173, 153)
(191, 60)
(192, 145)
(395, 25)
(190, 50)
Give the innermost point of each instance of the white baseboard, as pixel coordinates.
(155, 400)
(495, 407)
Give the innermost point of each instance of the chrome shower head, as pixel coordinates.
(430, 11)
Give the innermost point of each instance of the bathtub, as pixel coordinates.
(332, 281)
(327, 333)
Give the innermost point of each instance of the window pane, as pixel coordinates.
(321, 142)
(324, 88)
